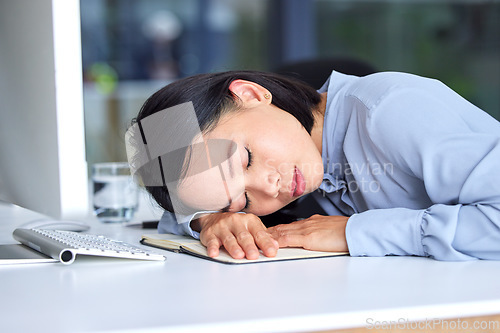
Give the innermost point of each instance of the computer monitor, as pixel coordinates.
(42, 146)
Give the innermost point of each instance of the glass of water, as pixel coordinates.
(115, 196)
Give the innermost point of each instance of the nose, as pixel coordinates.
(267, 182)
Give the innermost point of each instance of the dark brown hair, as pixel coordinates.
(211, 97)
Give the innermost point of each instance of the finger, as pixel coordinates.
(293, 240)
(245, 238)
(264, 240)
(288, 227)
(280, 230)
(247, 243)
(231, 245)
(266, 243)
(213, 245)
(288, 235)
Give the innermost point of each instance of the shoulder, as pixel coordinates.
(391, 103)
(374, 89)
(402, 114)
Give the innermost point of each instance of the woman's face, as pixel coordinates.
(278, 162)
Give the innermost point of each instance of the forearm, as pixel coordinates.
(381, 232)
(443, 232)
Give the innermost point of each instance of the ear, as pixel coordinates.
(250, 93)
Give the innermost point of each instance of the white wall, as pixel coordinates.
(42, 155)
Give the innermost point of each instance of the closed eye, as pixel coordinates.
(248, 202)
(249, 157)
(249, 163)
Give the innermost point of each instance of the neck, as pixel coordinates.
(319, 116)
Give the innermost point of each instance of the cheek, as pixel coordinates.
(204, 191)
(314, 171)
(275, 151)
(317, 179)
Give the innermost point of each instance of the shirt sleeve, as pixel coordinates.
(424, 134)
(181, 225)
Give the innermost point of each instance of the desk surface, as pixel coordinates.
(188, 294)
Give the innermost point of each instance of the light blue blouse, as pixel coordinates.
(414, 165)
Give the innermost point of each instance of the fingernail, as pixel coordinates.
(253, 254)
(271, 252)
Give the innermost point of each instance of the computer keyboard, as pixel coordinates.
(66, 245)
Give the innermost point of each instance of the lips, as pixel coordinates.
(298, 185)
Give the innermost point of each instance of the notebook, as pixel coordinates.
(188, 245)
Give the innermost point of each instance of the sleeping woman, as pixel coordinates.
(399, 165)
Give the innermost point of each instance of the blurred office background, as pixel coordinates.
(132, 48)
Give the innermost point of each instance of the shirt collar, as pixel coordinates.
(334, 130)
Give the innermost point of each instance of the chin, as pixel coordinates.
(311, 188)
(317, 184)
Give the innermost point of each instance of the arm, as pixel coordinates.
(455, 150)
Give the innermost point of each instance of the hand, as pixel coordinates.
(242, 235)
(317, 233)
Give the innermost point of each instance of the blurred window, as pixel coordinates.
(132, 48)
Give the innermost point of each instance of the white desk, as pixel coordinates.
(187, 294)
